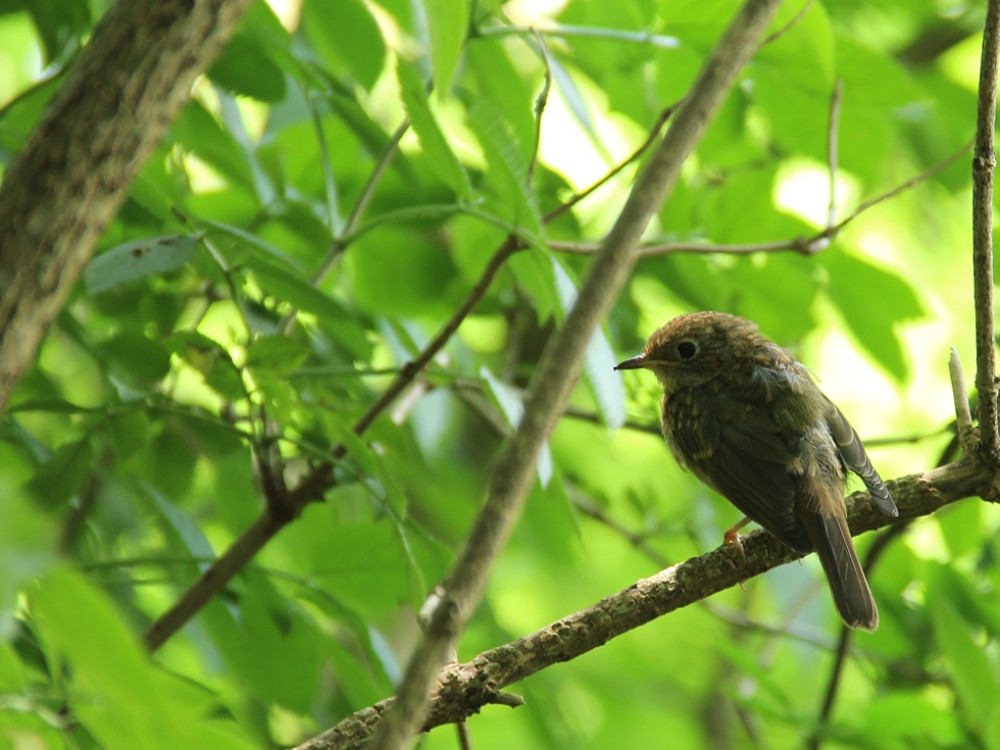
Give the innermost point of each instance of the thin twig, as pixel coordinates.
(925, 175)
(596, 32)
(665, 114)
(783, 631)
(335, 226)
(831, 149)
(919, 437)
(774, 36)
(803, 245)
(340, 243)
(540, 102)
(212, 580)
(589, 508)
(983, 164)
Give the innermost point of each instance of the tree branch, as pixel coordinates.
(983, 164)
(68, 180)
(558, 370)
(462, 689)
(312, 487)
(802, 245)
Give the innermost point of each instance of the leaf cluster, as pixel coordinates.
(338, 187)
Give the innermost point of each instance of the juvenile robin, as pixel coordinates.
(747, 419)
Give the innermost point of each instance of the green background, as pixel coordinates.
(278, 260)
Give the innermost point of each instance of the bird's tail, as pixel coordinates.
(827, 529)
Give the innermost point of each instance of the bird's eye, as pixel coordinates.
(687, 348)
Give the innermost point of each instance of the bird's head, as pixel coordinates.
(695, 348)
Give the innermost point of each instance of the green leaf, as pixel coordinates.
(118, 695)
(180, 527)
(975, 682)
(599, 361)
(12, 676)
(806, 49)
(512, 408)
(244, 68)
(533, 270)
(400, 271)
(346, 36)
(960, 526)
(294, 289)
(360, 121)
(128, 431)
(253, 241)
(235, 490)
(879, 94)
(109, 659)
(376, 478)
(206, 135)
(268, 642)
(507, 164)
(138, 259)
(176, 457)
(442, 159)
(136, 359)
(384, 667)
(363, 565)
(212, 360)
(778, 293)
(360, 687)
(61, 24)
(550, 522)
(28, 544)
(872, 301)
(501, 83)
(275, 356)
(912, 715)
(447, 24)
(60, 477)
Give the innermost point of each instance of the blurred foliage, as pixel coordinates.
(279, 259)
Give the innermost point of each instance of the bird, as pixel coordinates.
(746, 418)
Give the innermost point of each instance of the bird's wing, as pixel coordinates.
(856, 458)
(740, 453)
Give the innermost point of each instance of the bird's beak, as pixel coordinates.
(635, 363)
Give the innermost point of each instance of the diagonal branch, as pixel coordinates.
(462, 689)
(558, 370)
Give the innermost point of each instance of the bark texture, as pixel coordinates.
(63, 187)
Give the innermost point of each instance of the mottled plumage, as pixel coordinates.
(747, 419)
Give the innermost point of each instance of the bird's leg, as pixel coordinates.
(732, 535)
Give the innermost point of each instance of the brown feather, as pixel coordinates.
(824, 518)
(747, 419)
